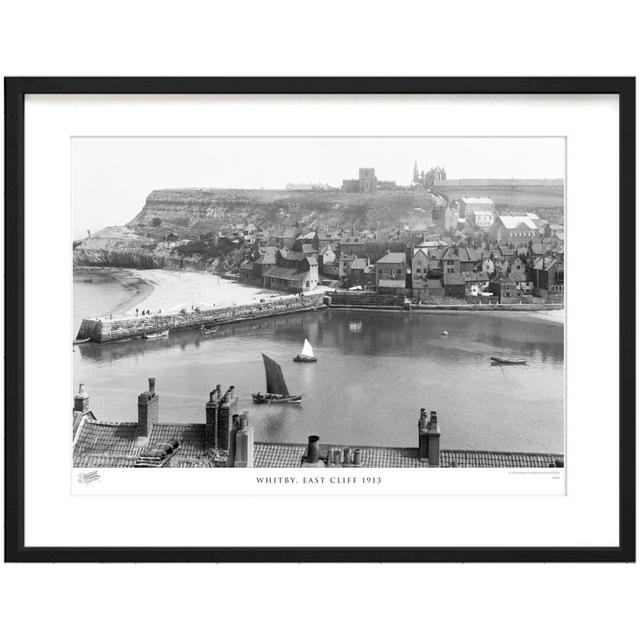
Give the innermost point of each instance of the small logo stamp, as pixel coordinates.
(88, 477)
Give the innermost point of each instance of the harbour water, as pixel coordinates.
(375, 371)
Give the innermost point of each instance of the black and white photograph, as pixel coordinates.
(318, 302)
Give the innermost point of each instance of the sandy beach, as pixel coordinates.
(169, 291)
(157, 290)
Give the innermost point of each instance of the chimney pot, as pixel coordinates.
(152, 385)
(313, 449)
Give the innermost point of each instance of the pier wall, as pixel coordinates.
(106, 330)
(373, 301)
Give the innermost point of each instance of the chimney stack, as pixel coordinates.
(226, 409)
(429, 438)
(211, 419)
(433, 440)
(244, 443)
(235, 427)
(148, 409)
(80, 401)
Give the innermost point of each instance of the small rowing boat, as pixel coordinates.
(81, 340)
(207, 331)
(306, 355)
(156, 334)
(497, 360)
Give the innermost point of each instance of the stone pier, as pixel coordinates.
(124, 328)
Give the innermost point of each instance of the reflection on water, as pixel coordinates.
(375, 371)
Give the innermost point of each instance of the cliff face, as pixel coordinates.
(193, 211)
(176, 227)
(132, 248)
(159, 236)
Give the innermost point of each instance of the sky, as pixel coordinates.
(112, 177)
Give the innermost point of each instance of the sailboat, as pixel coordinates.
(306, 355)
(277, 391)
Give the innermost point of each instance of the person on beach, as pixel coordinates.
(136, 312)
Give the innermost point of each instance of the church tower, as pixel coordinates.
(416, 173)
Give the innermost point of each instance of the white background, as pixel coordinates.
(189, 38)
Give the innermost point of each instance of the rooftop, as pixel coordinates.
(392, 258)
(284, 273)
(117, 444)
(468, 200)
(545, 264)
(517, 222)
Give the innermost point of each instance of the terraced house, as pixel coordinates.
(391, 271)
(294, 272)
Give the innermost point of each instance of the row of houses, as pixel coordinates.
(290, 271)
(458, 272)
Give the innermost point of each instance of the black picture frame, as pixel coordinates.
(15, 91)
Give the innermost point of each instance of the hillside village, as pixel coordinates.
(421, 241)
(467, 252)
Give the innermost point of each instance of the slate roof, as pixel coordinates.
(290, 455)
(112, 444)
(449, 254)
(468, 200)
(392, 258)
(516, 222)
(467, 254)
(295, 255)
(326, 249)
(267, 258)
(544, 264)
(284, 273)
(359, 263)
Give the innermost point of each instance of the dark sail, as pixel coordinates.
(275, 379)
